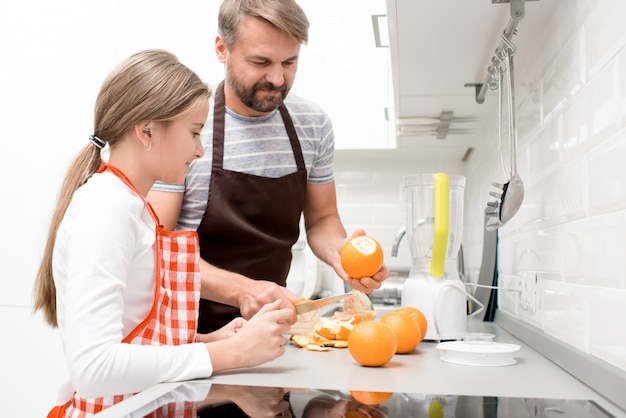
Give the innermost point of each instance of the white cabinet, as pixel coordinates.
(342, 70)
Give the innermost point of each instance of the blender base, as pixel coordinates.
(443, 302)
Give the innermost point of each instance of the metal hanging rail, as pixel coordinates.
(517, 14)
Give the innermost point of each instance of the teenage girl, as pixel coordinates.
(123, 291)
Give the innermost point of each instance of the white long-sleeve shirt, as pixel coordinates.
(104, 272)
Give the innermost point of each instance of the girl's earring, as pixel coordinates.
(146, 132)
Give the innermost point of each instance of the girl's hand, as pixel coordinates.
(227, 331)
(261, 338)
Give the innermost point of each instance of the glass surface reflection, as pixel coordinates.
(203, 399)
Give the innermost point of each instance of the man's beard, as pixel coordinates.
(248, 95)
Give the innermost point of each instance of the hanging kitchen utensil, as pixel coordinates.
(496, 72)
(510, 194)
(488, 271)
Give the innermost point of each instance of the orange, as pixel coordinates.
(404, 325)
(356, 315)
(370, 398)
(421, 318)
(372, 343)
(333, 328)
(361, 256)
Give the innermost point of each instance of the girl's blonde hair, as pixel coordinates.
(150, 85)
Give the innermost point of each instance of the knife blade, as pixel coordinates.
(311, 305)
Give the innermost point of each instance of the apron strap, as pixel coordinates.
(58, 411)
(131, 186)
(293, 137)
(218, 126)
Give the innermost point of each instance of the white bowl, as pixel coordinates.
(471, 353)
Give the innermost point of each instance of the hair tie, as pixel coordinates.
(97, 141)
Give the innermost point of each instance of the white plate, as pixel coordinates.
(478, 353)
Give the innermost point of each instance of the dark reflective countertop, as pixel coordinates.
(202, 399)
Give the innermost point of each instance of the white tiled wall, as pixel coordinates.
(370, 196)
(571, 228)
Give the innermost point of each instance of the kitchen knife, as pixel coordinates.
(311, 305)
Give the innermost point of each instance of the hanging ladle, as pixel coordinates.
(510, 194)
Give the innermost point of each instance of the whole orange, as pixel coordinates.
(421, 318)
(362, 256)
(370, 398)
(406, 328)
(372, 343)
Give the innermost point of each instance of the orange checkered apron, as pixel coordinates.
(174, 314)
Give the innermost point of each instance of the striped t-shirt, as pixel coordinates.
(258, 146)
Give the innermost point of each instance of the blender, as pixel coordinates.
(434, 228)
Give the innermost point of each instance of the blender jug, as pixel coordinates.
(434, 217)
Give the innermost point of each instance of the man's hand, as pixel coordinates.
(247, 294)
(257, 293)
(365, 284)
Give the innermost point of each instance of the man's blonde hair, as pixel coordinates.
(285, 15)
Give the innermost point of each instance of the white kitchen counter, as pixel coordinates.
(421, 372)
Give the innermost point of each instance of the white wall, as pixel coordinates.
(54, 56)
(53, 59)
(370, 195)
(571, 229)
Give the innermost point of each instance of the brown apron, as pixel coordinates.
(251, 222)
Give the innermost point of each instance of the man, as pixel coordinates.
(268, 160)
